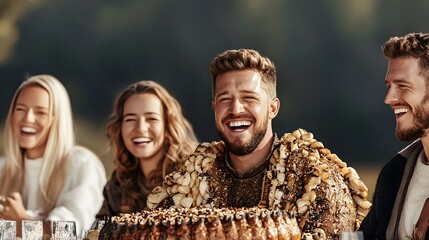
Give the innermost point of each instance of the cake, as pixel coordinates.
(203, 223)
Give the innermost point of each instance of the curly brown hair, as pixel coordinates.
(180, 139)
(244, 59)
(414, 45)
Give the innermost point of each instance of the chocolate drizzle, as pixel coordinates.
(204, 223)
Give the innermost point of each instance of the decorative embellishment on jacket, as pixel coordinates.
(304, 178)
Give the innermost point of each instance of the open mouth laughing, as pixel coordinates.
(142, 140)
(239, 126)
(28, 130)
(400, 111)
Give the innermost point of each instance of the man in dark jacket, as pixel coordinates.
(399, 210)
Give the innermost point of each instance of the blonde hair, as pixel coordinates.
(244, 59)
(60, 142)
(180, 139)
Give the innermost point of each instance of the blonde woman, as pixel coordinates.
(44, 175)
(149, 135)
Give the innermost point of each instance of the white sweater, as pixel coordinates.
(82, 194)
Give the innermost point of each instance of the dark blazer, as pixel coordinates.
(389, 181)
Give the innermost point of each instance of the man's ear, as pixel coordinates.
(274, 108)
(213, 105)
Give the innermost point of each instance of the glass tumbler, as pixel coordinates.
(351, 235)
(32, 230)
(8, 230)
(64, 230)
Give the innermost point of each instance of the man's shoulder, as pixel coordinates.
(397, 163)
(393, 168)
(408, 150)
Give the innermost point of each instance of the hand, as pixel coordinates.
(13, 207)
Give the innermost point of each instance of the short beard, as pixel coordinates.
(410, 134)
(239, 148)
(421, 123)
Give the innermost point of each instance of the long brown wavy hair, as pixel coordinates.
(180, 139)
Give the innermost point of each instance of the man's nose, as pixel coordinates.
(391, 96)
(237, 106)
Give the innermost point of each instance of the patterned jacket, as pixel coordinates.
(300, 176)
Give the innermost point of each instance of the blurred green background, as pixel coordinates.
(328, 57)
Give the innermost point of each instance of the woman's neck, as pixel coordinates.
(148, 165)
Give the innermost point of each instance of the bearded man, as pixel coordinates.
(252, 166)
(399, 210)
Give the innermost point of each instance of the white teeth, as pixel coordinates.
(28, 130)
(401, 110)
(239, 123)
(142, 140)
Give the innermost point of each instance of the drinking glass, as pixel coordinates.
(32, 230)
(84, 234)
(100, 224)
(351, 235)
(64, 230)
(8, 230)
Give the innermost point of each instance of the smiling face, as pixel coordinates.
(407, 96)
(243, 111)
(143, 126)
(32, 120)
